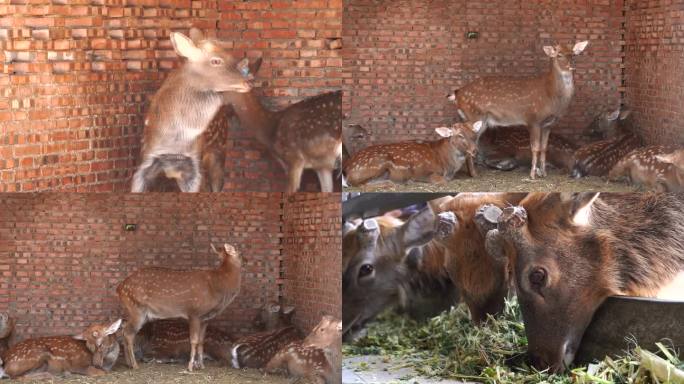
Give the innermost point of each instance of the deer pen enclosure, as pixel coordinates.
(402, 59)
(77, 79)
(62, 257)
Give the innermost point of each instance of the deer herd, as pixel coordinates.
(181, 331)
(562, 254)
(525, 109)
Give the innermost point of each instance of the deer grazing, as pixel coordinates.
(506, 149)
(91, 353)
(572, 251)
(433, 161)
(168, 341)
(535, 102)
(645, 166)
(318, 356)
(598, 158)
(387, 262)
(183, 108)
(153, 293)
(305, 135)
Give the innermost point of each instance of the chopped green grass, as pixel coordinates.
(450, 346)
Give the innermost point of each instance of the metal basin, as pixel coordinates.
(647, 320)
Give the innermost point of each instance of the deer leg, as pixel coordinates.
(195, 331)
(470, 165)
(191, 180)
(134, 322)
(200, 346)
(295, 176)
(144, 175)
(325, 177)
(535, 146)
(546, 132)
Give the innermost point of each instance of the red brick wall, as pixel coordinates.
(401, 58)
(62, 255)
(654, 69)
(311, 256)
(77, 76)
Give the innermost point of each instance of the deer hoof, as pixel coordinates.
(486, 218)
(446, 224)
(512, 218)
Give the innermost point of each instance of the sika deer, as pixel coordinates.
(506, 149)
(213, 144)
(169, 341)
(318, 356)
(254, 351)
(305, 135)
(643, 166)
(572, 251)
(183, 108)
(274, 316)
(388, 262)
(90, 353)
(6, 327)
(153, 293)
(535, 102)
(433, 161)
(598, 158)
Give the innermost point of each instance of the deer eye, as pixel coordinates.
(365, 270)
(216, 61)
(538, 277)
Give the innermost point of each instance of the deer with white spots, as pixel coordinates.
(433, 161)
(535, 102)
(598, 158)
(183, 108)
(155, 293)
(6, 328)
(304, 135)
(214, 144)
(317, 357)
(651, 167)
(92, 353)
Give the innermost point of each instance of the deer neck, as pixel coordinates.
(254, 116)
(452, 158)
(560, 84)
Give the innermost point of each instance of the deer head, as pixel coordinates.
(98, 342)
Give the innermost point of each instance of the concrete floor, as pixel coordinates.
(376, 369)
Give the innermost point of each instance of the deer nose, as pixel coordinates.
(568, 353)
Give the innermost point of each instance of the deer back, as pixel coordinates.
(254, 351)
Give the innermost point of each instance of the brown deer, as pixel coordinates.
(354, 138)
(675, 158)
(318, 356)
(598, 158)
(153, 293)
(213, 144)
(183, 108)
(274, 316)
(644, 166)
(387, 262)
(7, 324)
(506, 149)
(255, 351)
(572, 251)
(168, 341)
(432, 161)
(91, 353)
(535, 102)
(305, 135)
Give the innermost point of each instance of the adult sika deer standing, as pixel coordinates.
(535, 102)
(154, 293)
(305, 135)
(183, 108)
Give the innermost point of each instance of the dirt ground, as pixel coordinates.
(174, 373)
(517, 180)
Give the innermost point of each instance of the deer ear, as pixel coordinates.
(348, 227)
(550, 51)
(196, 35)
(79, 336)
(254, 65)
(579, 47)
(243, 67)
(625, 114)
(288, 309)
(444, 131)
(579, 206)
(452, 96)
(113, 327)
(213, 248)
(185, 47)
(275, 308)
(477, 126)
(613, 115)
(419, 229)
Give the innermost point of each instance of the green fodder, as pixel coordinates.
(450, 346)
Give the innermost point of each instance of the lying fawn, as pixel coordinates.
(433, 161)
(652, 167)
(91, 353)
(183, 108)
(153, 293)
